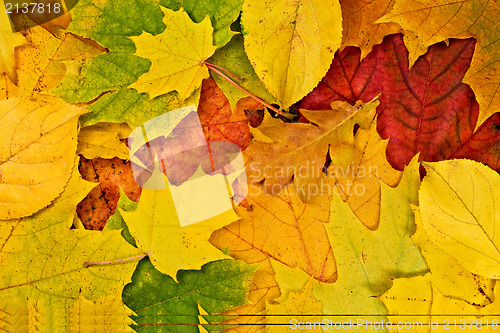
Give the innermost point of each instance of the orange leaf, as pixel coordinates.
(284, 228)
(101, 202)
(219, 123)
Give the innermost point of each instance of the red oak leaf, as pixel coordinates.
(424, 109)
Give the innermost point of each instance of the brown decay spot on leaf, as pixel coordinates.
(102, 201)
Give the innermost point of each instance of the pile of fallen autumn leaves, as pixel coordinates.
(357, 94)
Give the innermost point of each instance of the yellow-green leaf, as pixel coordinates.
(156, 227)
(177, 55)
(291, 43)
(460, 213)
(368, 261)
(37, 152)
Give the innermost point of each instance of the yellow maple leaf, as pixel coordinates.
(461, 214)
(284, 228)
(435, 21)
(291, 43)
(177, 55)
(156, 227)
(43, 264)
(103, 140)
(37, 152)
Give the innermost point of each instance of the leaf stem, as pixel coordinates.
(243, 89)
(109, 262)
(223, 69)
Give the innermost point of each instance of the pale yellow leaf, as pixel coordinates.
(291, 43)
(448, 275)
(460, 213)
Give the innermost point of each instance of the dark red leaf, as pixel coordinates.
(426, 109)
(484, 145)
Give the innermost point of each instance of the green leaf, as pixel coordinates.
(222, 13)
(233, 58)
(106, 77)
(163, 305)
(291, 44)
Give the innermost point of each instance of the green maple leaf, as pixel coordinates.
(104, 80)
(163, 305)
